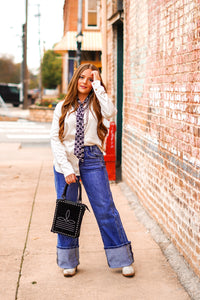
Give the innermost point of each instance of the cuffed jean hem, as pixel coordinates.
(68, 258)
(120, 257)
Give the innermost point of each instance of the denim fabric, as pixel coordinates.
(95, 180)
(67, 247)
(68, 258)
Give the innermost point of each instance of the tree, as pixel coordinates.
(9, 71)
(51, 70)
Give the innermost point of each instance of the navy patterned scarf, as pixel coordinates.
(79, 136)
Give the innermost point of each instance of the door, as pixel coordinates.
(119, 99)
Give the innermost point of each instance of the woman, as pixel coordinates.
(77, 139)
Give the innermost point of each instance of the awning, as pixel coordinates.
(92, 41)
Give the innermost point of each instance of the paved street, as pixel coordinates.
(25, 132)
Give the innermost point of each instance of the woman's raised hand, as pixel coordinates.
(95, 75)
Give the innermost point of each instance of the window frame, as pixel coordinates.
(86, 16)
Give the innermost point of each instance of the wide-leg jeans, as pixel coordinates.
(94, 177)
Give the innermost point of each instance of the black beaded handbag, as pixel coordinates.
(68, 215)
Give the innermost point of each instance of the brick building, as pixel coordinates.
(91, 37)
(153, 74)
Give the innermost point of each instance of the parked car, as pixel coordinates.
(11, 93)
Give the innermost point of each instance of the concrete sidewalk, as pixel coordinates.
(28, 269)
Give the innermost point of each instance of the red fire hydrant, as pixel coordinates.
(110, 156)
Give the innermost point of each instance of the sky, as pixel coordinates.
(12, 17)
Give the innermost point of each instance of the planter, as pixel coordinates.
(40, 113)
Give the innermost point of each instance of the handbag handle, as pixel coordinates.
(79, 197)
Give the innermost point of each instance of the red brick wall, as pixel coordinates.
(161, 130)
(70, 13)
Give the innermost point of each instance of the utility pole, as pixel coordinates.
(39, 43)
(79, 36)
(25, 70)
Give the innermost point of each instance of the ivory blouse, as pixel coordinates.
(64, 159)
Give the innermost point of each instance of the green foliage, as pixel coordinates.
(51, 70)
(61, 96)
(47, 102)
(9, 71)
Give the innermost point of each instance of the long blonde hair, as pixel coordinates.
(71, 102)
